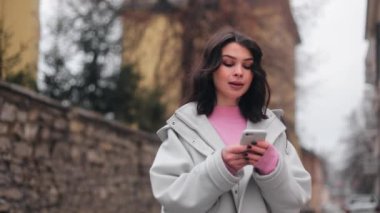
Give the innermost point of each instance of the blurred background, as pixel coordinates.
(85, 84)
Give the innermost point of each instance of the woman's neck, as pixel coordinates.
(226, 102)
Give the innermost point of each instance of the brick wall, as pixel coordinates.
(60, 159)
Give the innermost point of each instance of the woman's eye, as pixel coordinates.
(228, 64)
(248, 67)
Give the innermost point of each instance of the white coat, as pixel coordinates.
(188, 174)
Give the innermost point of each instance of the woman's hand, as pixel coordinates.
(234, 157)
(263, 156)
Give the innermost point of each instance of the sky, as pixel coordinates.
(333, 88)
(50, 10)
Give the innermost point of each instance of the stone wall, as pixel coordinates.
(61, 159)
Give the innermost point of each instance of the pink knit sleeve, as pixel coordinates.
(268, 161)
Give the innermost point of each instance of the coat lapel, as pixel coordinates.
(201, 125)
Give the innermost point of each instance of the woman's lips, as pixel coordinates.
(236, 85)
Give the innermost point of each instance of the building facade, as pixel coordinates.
(315, 166)
(20, 20)
(372, 76)
(163, 40)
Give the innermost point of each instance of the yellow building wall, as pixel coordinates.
(20, 19)
(152, 45)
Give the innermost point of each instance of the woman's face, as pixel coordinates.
(234, 76)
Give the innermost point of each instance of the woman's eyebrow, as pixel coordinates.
(230, 56)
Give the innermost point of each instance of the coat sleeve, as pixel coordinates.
(181, 186)
(288, 187)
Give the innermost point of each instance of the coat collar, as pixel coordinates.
(187, 114)
(200, 125)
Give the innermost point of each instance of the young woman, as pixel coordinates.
(202, 167)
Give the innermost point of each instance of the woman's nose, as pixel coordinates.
(238, 71)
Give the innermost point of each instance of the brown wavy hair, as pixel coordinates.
(254, 103)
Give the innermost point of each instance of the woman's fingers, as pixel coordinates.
(232, 156)
(235, 165)
(260, 147)
(236, 149)
(252, 158)
(234, 152)
(235, 156)
(256, 151)
(262, 144)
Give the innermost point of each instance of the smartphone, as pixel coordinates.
(252, 135)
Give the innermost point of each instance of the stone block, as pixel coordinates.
(76, 126)
(8, 113)
(90, 130)
(22, 116)
(3, 128)
(33, 115)
(22, 150)
(11, 194)
(76, 138)
(46, 117)
(5, 179)
(53, 195)
(94, 157)
(75, 154)
(42, 151)
(102, 193)
(100, 134)
(33, 196)
(60, 124)
(45, 133)
(5, 145)
(18, 130)
(57, 136)
(17, 171)
(3, 167)
(4, 206)
(30, 131)
(106, 146)
(61, 151)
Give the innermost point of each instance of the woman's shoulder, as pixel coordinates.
(274, 118)
(186, 115)
(278, 113)
(189, 108)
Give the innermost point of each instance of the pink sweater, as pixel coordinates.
(229, 123)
